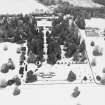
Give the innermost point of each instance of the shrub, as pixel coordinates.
(3, 83)
(52, 59)
(11, 64)
(4, 68)
(5, 48)
(16, 91)
(71, 50)
(82, 46)
(84, 58)
(97, 51)
(18, 50)
(98, 78)
(103, 80)
(17, 81)
(76, 92)
(80, 21)
(71, 77)
(92, 43)
(23, 48)
(54, 51)
(85, 78)
(10, 82)
(31, 77)
(93, 63)
(103, 70)
(31, 58)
